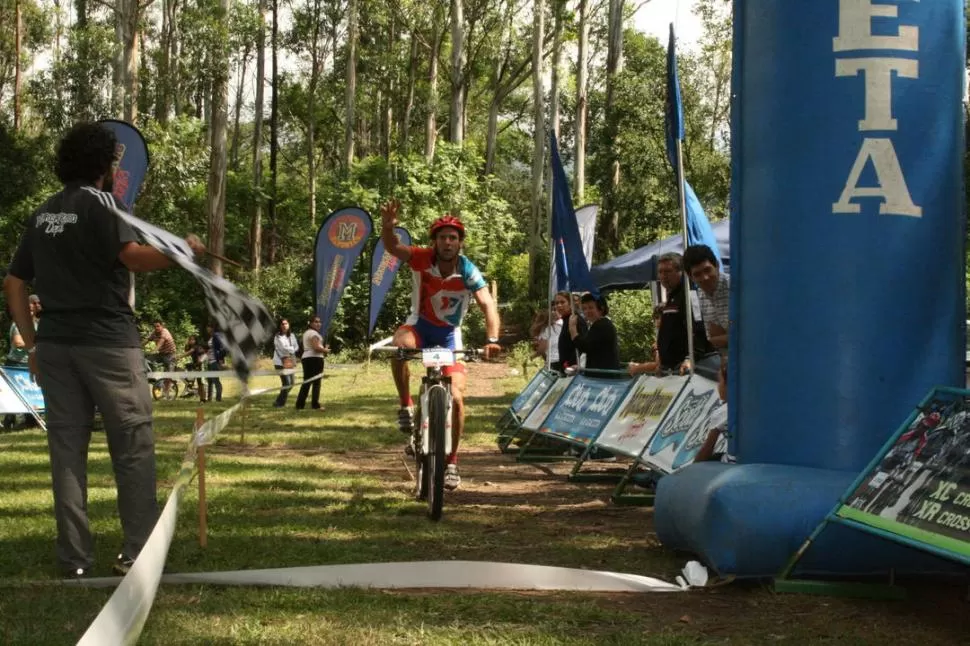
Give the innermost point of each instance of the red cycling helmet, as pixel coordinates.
(446, 221)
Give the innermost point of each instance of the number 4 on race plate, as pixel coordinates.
(437, 358)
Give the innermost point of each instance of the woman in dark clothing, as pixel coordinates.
(599, 342)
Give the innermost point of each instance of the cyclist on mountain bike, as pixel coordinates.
(443, 283)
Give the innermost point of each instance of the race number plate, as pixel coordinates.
(437, 358)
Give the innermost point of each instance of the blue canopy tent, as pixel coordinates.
(634, 270)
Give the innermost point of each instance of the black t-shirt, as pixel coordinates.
(601, 346)
(672, 337)
(567, 351)
(70, 251)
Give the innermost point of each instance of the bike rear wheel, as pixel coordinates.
(435, 460)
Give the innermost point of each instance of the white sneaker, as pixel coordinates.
(405, 419)
(452, 479)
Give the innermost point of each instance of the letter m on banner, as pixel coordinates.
(340, 240)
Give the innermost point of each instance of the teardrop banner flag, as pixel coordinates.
(340, 240)
(130, 168)
(131, 161)
(383, 268)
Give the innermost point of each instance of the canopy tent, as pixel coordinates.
(634, 270)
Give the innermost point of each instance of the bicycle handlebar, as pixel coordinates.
(413, 353)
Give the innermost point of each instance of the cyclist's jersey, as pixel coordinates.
(441, 300)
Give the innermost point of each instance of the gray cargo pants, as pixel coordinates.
(74, 380)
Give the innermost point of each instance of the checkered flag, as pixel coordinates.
(243, 321)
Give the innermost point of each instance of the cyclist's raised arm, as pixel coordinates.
(484, 299)
(388, 222)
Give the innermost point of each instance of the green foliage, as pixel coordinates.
(522, 356)
(389, 154)
(632, 314)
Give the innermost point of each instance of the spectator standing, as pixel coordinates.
(715, 290)
(196, 352)
(215, 356)
(18, 355)
(87, 351)
(548, 338)
(285, 349)
(599, 342)
(569, 354)
(312, 362)
(672, 345)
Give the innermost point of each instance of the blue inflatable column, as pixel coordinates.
(847, 223)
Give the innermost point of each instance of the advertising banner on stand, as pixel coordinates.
(682, 432)
(538, 414)
(638, 415)
(20, 379)
(917, 489)
(9, 401)
(583, 410)
(523, 404)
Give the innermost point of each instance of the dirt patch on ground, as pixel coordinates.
(527, 513)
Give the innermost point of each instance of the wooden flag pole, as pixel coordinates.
(223, 259)
(203, 528)
(244, 420)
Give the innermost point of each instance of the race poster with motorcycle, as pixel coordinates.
(918, 487)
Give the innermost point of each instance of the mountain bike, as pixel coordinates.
(432, 442)
(159, 390)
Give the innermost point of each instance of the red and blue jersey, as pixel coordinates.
(441, 300)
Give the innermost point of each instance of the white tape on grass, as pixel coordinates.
(122, 618)
(439, 575)
(435, 574)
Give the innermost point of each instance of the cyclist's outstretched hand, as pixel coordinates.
(389, 213)
(492, 350)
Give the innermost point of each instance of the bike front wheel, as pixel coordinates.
(159, 390)
(434, 462)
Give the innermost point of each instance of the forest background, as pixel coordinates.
(445, 105)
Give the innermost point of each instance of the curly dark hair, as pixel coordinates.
(85, 153)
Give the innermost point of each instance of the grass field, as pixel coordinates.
(315, 488)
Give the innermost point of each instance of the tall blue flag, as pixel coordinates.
(699, 229)
(674, 123)
(572, 270)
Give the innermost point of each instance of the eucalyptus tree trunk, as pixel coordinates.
(216, 193)
(274, 128)
(350, 120)
(536, 289)
(405, 128)
(456, 118)
(614, 65)
(431, 116)
(237, 109)
(18, 30)
(582, 72)
(124, 92)
(256, 222)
